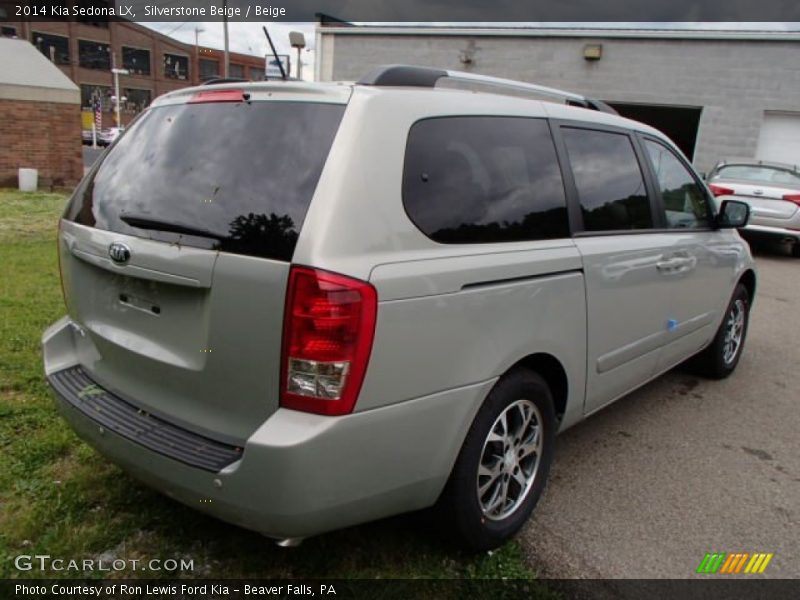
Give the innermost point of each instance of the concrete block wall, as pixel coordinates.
(734, 81)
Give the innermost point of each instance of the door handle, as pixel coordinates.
(671, 265)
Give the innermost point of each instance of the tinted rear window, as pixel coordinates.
(609, 180)
(243, 172)
(484, 179)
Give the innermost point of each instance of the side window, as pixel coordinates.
(609, 180)
(471, 180)
(685, 203)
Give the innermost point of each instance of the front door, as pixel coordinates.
(701, 261)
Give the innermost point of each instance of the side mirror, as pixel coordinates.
(733, 214)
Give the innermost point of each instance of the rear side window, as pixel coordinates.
(609, 180)
(232, 176)
(686, 205)
(470, 180)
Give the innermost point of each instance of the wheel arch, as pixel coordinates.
(748, 280)
(553, 372)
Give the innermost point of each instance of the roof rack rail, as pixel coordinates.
(408, 75)
(224, 80)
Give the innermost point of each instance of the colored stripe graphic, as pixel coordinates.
(711, 562)
(734, 563)
(758, 563)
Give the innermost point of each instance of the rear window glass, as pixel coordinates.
(232, 176)
(759, 174)
(609, 180)
(473, 180)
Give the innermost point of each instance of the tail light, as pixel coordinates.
(719, 190)
(793, 198)
(329, 325)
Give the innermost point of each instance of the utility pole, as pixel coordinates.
(117, 98)
(196, 68)
(226, 62)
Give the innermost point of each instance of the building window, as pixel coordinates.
(256, 74)
(209, 69)
(94, 55)
(8, 31)
(474, 180)
(136, 60)
(104, 6)
(54, 47)
(91, 93)
(176, 66)
(236, 71)
(136, 100)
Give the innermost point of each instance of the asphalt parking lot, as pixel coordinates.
(686, 466)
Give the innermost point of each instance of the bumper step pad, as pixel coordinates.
(115, 414)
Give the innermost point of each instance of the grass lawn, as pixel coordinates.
(59, 497)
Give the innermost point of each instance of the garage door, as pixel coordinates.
(678, 122)
(779, 139)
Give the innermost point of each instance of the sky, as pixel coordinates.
(248, 37)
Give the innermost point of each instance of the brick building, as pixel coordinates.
(40, 125)
(86, 51)
(716, 93)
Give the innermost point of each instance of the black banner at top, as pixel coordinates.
(399, 11)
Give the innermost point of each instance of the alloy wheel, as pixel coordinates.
(510, 460)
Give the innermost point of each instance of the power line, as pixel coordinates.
(171, 31)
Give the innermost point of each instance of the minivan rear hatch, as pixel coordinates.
(175, 252)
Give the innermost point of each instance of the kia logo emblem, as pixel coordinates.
(119, 253)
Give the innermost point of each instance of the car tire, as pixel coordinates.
(489, 497)
(796, 249)
(720, 358)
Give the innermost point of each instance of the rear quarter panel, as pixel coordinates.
(451, 322)
(449, 315)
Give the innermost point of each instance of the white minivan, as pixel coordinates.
(302, 306)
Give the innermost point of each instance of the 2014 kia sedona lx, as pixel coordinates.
(314, 305)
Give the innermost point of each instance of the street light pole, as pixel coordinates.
(298, 40)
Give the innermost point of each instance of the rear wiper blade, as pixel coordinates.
(158, 225)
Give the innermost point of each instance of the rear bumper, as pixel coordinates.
(300, 474)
